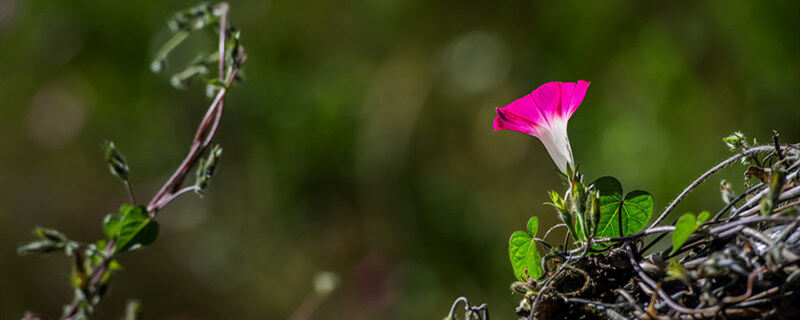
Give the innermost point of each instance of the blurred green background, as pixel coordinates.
(361, 142)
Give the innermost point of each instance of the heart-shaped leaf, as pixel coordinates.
(522, 251)
(621, 216)
(610, 191)
(637, 208)
(684, 227)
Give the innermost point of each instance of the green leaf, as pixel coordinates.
(684, 227)
(703, 217)
(135, 229)
(522, 251)
(608, 186)
(637, 209)
(621, 216)
(113, 265)
(111, 225)
(533, 226)
(125, 209)
(610, 191)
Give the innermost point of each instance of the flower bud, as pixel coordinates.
(726, 190)
(734, 141)
(44, 246)
(775, 185)
(206, 168)
(593, 210)
(116, 162)
(49, 234)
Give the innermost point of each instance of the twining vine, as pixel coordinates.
(94, 265)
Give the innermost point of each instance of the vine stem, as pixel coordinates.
(172, 196)
(172, 188)
(130, 191)
(223, 23)
(207, 128)
(455, 304)
(660, 229)
(705, 176)
(171, 44)
(94, 280)
(750, 208)
(653, 285)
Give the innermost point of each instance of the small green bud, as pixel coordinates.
(157, 65)
(565, 213)
(49, 234)
(593, 210)
(325, 282)
(206, 169)
(116, 162)
(174, 25)
(79, 273)
(178, 83)
(734, 141)
(519, 287)
(776, 182)
(133, 310)
(44, 246)
(556, 200)
(578, 195)
(726, 190)
(676, 271)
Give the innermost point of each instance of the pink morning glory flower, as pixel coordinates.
(544, 114)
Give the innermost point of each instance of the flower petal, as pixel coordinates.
(510, 121)
(572, 95)
(547, 98)
(556, 142)
(544, 114)
(525, 110)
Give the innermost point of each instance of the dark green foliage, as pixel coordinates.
(621, 216)
(131, 229)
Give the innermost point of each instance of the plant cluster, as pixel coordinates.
(741, 263)
(95, 264)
